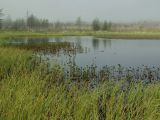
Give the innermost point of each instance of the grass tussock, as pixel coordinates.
(28, 92)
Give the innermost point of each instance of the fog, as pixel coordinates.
(69, 10)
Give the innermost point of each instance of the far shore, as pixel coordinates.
(100, 34)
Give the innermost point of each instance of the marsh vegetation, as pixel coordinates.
(32, 88)
(78, 70)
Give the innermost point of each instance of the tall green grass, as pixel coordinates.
(105, 34)
(29, 93)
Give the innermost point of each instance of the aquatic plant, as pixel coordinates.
(30, 89)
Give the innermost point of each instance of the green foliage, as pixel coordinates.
(102, 34)
(106, 26)
(7, 23)
(19, 24)
(32, 21)
(1, 18)
(12, 61)
(28, 93)
(96, 24)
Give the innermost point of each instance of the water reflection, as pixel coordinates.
(28, 41)
(107, 43)
(57, 39)
(100, 51)
(97, 59)
(99, 42)
(95, 43)
(78, 43)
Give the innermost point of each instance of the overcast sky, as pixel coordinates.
(69, 10)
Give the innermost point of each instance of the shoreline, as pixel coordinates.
(100, 34)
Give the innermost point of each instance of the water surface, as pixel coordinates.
(101, 51)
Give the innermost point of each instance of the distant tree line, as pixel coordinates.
(104, 26)
(1, 18)
(33, 23)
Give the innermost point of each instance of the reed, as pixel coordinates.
(32, 92)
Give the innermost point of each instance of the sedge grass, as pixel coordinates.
(26, 95)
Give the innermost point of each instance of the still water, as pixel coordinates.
(102, 51)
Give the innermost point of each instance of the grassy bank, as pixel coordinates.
(29, 92)
(129, 35)
(103, 34)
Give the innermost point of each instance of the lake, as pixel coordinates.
(101, 51)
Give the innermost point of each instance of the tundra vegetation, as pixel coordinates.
(30, 90)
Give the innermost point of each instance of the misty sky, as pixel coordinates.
(69, 10)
